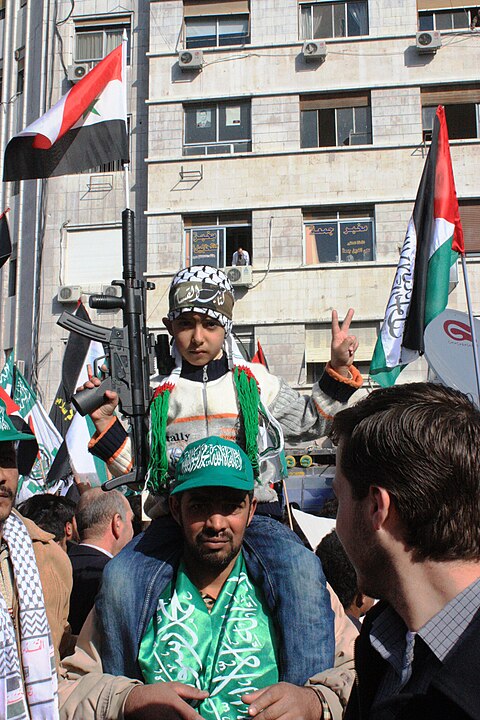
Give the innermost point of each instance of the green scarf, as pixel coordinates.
(230, 651)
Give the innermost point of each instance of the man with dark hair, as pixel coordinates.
(408, 487)
(340, 573)
(104, 523)
(199, 622)
(53, 514)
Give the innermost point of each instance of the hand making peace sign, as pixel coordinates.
(344, 345)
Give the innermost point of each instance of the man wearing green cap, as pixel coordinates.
(35, 585)
(197, 626)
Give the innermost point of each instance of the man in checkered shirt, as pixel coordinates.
(408, 487)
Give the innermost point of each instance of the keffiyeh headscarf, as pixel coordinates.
(28, 679)
(202, 289)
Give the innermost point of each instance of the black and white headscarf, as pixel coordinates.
(202, 289)
(28, 679)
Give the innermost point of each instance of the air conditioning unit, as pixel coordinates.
(428, 41)
(240, 274)
(314, 50)
(69, 293)
(77, 71)
(112, 290)
(190, 59)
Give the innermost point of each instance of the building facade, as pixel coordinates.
(295, 130)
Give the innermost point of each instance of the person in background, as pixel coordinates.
(241, 257)
(53, 514)
(35, 583)
(104, 522)
(341, 575)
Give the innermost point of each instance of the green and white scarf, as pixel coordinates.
(28, 684)
(228, 652)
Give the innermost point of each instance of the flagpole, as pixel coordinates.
(126, 177)
(472, 325)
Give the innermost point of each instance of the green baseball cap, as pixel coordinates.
(213, 462)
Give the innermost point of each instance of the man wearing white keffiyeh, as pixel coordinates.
(28, 679)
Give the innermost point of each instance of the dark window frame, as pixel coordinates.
(213, 143)
(190, 42)
(333, 220)
(101, 24)
(335, 17)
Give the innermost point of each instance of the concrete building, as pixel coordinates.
(306, 154)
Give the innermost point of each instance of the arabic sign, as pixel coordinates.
(356, 241)
(205, 246)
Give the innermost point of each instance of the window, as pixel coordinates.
(455, 18)
(94, 39)
(329, 120)
(462, 110)
(212, 239)
(102, 243)
(20, 58)
(215, 24)
(12, 273)
(331, 20)
(244, 335)
(339, 235)
(317, 346)
(213, 128)
(470, 217)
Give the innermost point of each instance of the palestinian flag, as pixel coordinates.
(259, 356)
(432, 243)
(5, 242)
(87, 127)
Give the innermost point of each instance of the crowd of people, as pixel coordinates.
(218, 610)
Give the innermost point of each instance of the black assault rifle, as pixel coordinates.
(129, 354)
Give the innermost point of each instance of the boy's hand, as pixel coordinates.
(102, 415)
(343, 347)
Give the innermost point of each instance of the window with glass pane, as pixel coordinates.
(346, 237)
(214, 244)
(329, 20)
(215, 128)
(445, 19)
(94, 42)
(462, 120)
(336, 126)
(215, 31)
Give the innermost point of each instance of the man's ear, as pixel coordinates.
(168, 325)
(174, 505)
(116, 525)
(380, 506)
(251, 511)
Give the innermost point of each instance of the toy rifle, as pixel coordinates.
(129, 355)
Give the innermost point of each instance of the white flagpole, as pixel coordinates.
(126, 176)
(472, 326)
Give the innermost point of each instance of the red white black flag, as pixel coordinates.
(87, 127)
(5, 242)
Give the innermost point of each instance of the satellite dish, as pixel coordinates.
(449, 353)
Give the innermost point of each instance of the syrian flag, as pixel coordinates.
(432, 243)
(5, 242)
(87, 127)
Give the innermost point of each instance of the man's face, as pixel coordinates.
(199, 338)
(356, 534)
(213, 521)
(8, 479)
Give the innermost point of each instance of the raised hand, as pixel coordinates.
(344, 345)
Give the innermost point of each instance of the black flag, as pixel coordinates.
(5, 242)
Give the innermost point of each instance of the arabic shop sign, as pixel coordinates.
(205, 246)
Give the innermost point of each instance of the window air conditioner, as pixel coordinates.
(190, 59)
(69, 293)
(77, 71)
(112, 290)
(428, 41)
(314, 50)
(239, 274)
